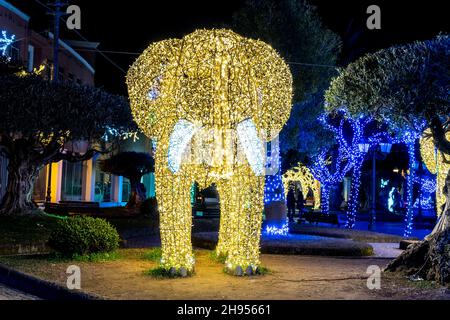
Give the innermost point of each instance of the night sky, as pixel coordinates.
(129, 26)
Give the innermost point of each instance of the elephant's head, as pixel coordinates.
(210, 78)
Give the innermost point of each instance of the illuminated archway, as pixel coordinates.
(302, 174)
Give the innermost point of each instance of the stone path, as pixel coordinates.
(7, 293)
(386, 250)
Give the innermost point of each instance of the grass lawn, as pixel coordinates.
(26, 229)
(289, 277)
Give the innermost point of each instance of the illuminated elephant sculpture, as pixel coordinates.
(211, 101)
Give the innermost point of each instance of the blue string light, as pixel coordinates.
(410, 188)
(273, 188)
(277, 231)
(5, 42)
(351, 157)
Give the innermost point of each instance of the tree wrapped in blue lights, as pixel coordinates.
(409, 137)
(331, 169)
(404, 85)
(427, 186)
(274, 195)
(273, 188)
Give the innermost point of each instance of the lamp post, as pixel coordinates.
(385, 148)
(418, 168)
(374, 187)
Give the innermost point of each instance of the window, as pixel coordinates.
(126, 189)
(103, 186)
(72, 181)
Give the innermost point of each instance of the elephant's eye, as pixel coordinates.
(154, 91)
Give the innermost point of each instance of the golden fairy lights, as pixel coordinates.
(210, 81)
(434, 160)
(303, 175)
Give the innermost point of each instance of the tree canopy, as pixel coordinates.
(42, 122)
(407, 87)
(296, 31)
(129, 164)
(48, 116)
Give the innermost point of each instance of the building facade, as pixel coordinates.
(66, 181)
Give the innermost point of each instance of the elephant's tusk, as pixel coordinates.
(180, 137)
(254, 148)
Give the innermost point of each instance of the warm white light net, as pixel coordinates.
(434, 160)
(211, 100)
(301, 174)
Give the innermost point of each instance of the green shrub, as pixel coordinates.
(82, 236)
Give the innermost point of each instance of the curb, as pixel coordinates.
(41, 288)
(352, 249)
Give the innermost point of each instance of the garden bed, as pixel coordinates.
(296, 244)
(357, 235)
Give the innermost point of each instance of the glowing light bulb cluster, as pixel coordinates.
(301, 174)
(277, 231)
(435, 163)
(5, 42)
(220, 82)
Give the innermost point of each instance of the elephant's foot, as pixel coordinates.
(180, 272)
(240, 271)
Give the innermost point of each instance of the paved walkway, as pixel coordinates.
(7, 293)
(386, 250)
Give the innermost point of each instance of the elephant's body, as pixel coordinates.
(241, 206)
(238, 90)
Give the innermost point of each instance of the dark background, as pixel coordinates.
(129, 26)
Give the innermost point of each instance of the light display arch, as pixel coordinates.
(303, 175)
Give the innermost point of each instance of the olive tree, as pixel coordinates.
(40, 120)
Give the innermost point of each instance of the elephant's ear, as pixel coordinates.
(149, 81)
(272, 89)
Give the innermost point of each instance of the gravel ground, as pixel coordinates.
(290, 277)
(7, 293)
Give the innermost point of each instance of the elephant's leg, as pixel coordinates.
(246, 207)
(225, 198)
(173, 192)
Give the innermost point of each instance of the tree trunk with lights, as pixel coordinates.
(137, 195)
(19, 190)
(430, 259)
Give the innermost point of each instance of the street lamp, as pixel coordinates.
(364, 147)
(384, 148)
